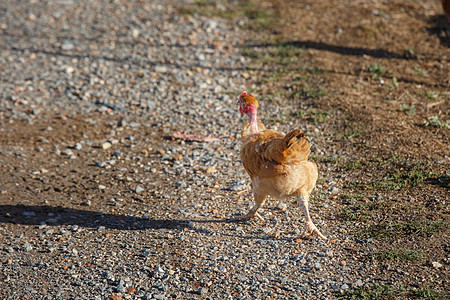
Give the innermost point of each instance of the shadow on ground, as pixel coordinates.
(56, 216)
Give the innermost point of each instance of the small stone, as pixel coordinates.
(67, 45)
(121, 286)
(335, 286)
(135, 33)
(86, 203)
(67, 152)
(69, 70)
(78, 146)
(211, 170)
(9, 249)
(436, 264)
(237, 187)
(101, 187)
(106, 145)
(43, 140)
(161, 69)
(146, 253)
(282, 206)
(357, 283)
(139, 189)
(27, 247)
(334, 190)
(101, 164)
(344, 286)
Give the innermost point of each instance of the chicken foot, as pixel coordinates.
(310, 229)
(252, 213)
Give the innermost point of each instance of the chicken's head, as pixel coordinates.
(247, 103)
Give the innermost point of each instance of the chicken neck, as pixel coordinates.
(252, 113)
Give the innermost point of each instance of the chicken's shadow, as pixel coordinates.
(440, 26)
(57, 216)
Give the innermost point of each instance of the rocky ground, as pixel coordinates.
(101, 198)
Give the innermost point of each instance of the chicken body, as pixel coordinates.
(277, 164)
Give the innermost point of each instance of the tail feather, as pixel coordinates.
(292, 137)
(297, 147)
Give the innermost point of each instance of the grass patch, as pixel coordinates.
(435, 122)
(397, 180)
(260, 19)
(360, 212)
(352, 130)
(385, 292)
(310, 93)
(279, 54)
(400, 255)
(326, 159)
(313, 115)
(274, 120)
(410, 110)
(418, 228)
(353, 165)
(314, 71)
(350, 134)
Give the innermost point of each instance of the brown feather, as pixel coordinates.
(268, 153)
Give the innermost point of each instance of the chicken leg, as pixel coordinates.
(310, 229)
(259, 201)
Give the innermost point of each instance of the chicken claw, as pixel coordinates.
(249, 215)
(311, 230)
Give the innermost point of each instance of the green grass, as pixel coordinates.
(314, 115)
(311, 93)
(376, 69)
(280, 54)
(274, 120)
(410, 110)
(435, 122)
(260, 19)
(400, 255)
(385, 292)
(416, 228)
(396, 180)
(325, 159)
(360, 212)
(350, 134)
(357, 196)
(352, 129)
(353, 165)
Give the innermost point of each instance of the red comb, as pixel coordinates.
(244, 93)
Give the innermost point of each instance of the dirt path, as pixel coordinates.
(99, 200)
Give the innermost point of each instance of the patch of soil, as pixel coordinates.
(380, 72)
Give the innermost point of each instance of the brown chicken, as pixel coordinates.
(277, 164)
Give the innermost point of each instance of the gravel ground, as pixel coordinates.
(101, 202)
